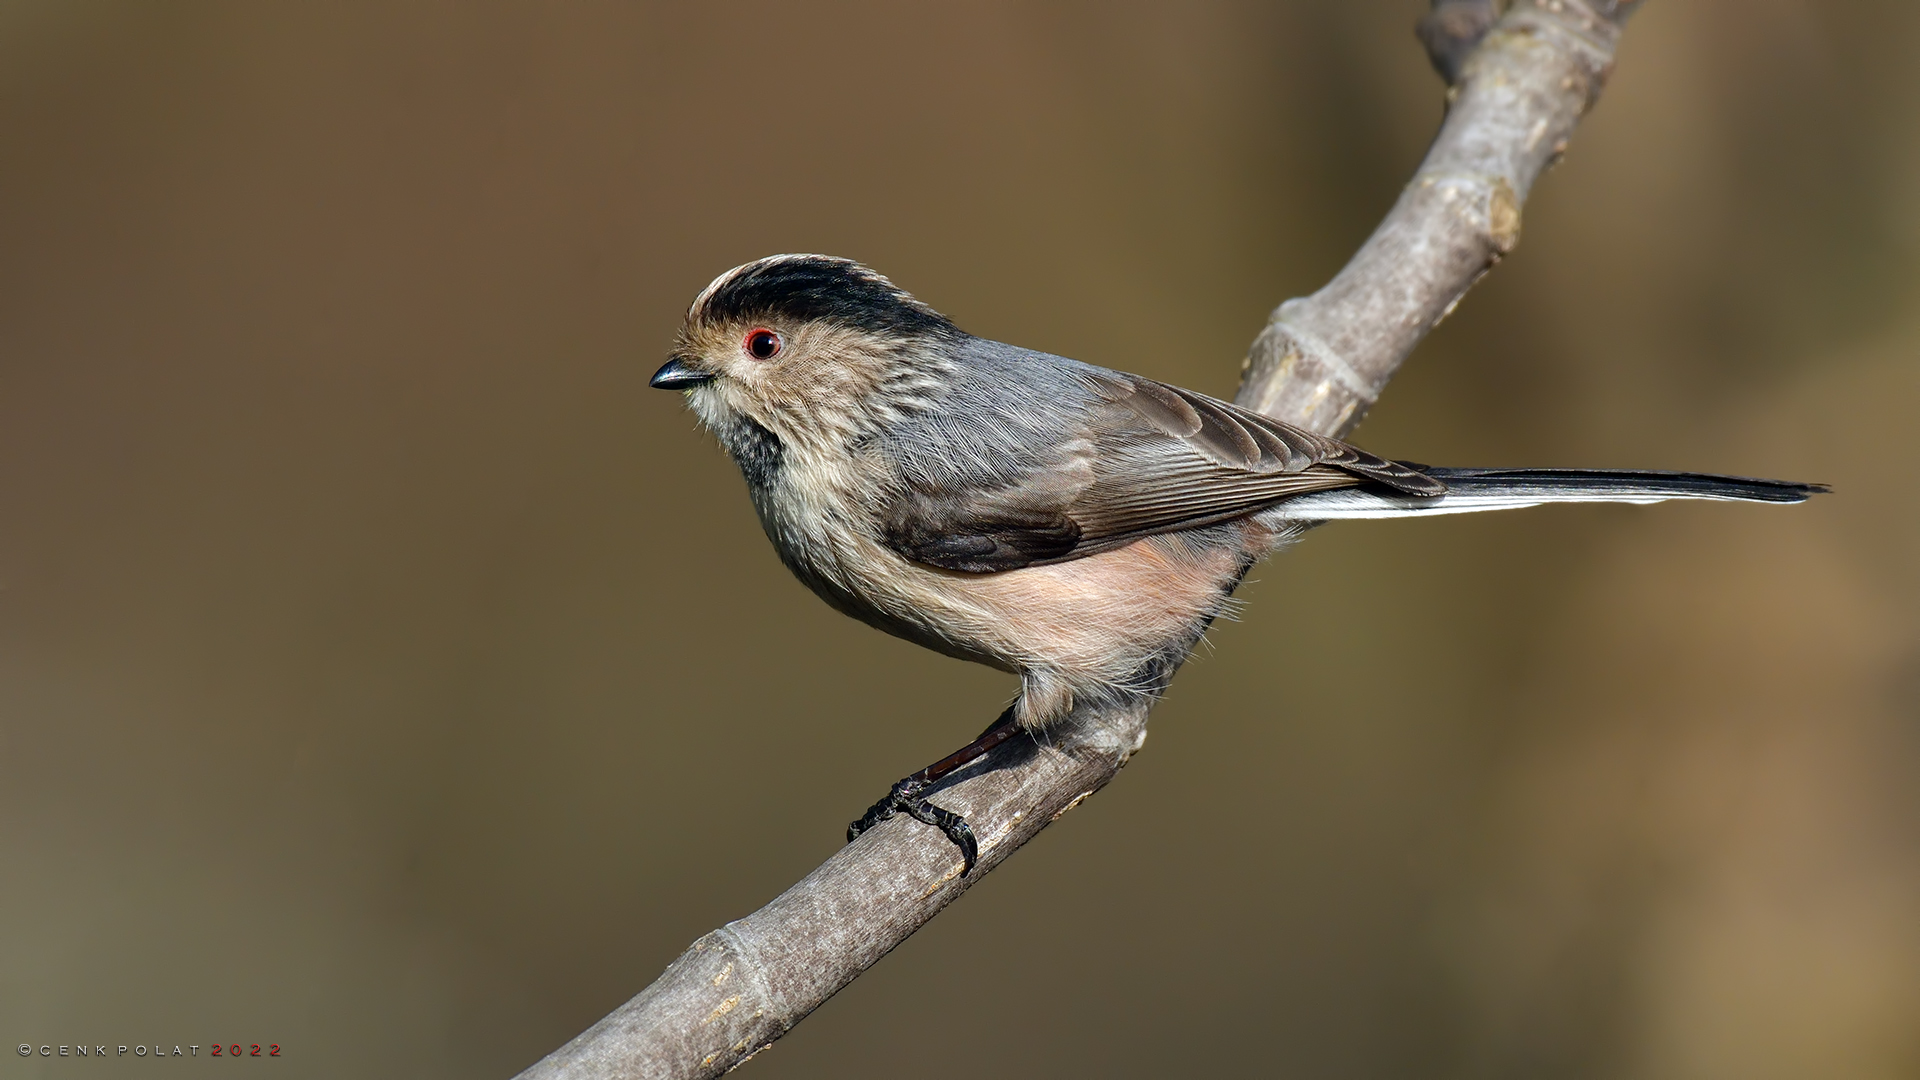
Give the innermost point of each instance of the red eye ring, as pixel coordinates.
(762, 343)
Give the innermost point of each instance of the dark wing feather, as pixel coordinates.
(1136, 458)
(1251, 442)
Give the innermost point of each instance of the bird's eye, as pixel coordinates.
(762, 344)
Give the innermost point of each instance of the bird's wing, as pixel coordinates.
(1137, 458)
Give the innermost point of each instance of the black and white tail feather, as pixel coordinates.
(1473, 490)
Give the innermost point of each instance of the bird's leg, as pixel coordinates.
(905, 796)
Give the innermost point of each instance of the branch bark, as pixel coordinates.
(1518, 90)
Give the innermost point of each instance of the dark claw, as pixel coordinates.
(953, 825)
(905, 798)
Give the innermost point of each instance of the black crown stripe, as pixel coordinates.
(817, 288)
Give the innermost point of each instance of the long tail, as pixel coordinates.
(1472, 490)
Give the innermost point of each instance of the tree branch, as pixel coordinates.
(1324, 359)
(1518, 90)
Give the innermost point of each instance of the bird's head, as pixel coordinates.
(812, 349)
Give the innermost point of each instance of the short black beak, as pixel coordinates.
(678, 375)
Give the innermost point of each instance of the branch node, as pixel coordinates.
(1289, 317)
(1503, 214)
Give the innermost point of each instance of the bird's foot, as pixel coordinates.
(905, 796)
(905, 799)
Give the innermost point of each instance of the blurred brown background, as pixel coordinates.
(387, 673)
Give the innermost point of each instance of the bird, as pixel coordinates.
(1077, 526)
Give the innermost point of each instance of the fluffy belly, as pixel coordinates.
(1075, 627)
